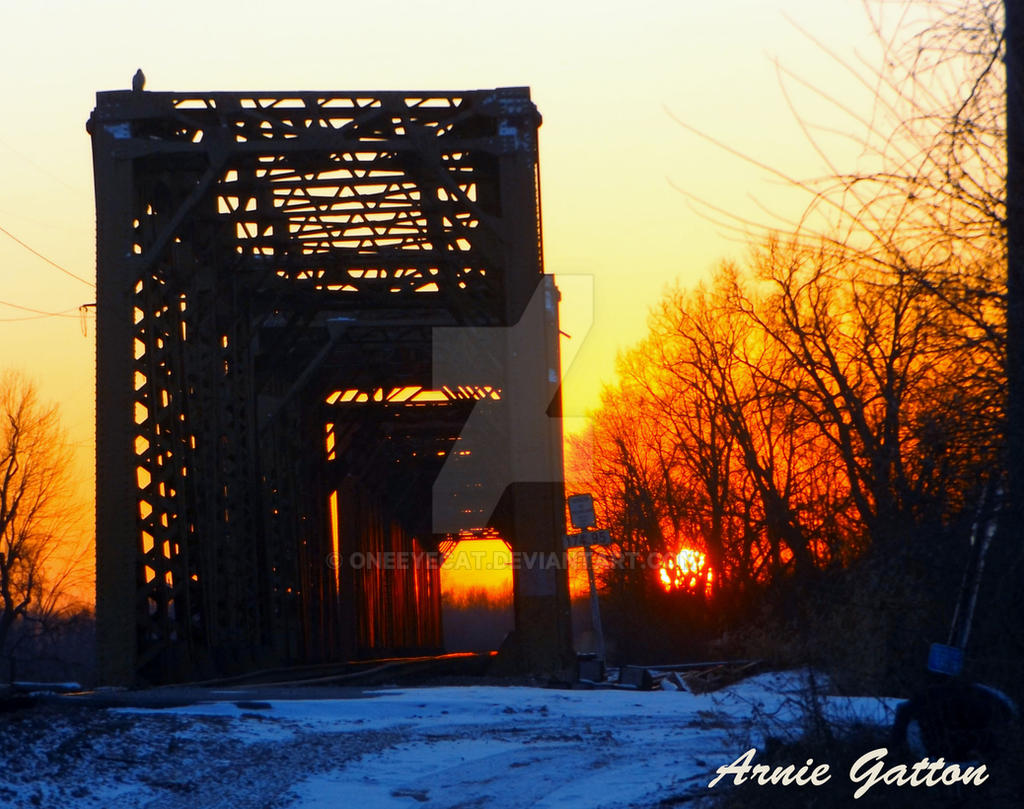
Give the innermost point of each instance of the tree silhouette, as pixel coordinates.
(34, 514)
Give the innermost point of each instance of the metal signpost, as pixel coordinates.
(581, 514)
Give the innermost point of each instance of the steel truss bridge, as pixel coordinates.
(324, 334)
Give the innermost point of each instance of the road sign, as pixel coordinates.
(598, 537)
(584, 538)
(581, 511)
(943, 659)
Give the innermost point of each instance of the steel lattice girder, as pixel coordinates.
(255, 251)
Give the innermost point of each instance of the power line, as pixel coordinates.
(42, 170)
(37, 312)
(28, 317)
(49, 261)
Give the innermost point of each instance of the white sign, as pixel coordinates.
(581, 511)
(583, 538)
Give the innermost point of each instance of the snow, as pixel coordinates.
(486, 746)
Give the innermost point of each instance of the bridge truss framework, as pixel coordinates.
(281, 278)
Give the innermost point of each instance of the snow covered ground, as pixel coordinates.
(458, 746)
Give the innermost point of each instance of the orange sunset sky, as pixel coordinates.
(612, 81)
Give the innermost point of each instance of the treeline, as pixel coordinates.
(826, 421)
(59, 646)
(476, 619)
(788, 419)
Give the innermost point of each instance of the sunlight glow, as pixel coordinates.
(688, 570)
(478, 564)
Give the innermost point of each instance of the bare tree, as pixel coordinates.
(35, 519)
(845, 397)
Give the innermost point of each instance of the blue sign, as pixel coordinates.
(944, 659)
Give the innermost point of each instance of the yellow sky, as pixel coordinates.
(609, 79)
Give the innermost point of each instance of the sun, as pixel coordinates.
(687, 570)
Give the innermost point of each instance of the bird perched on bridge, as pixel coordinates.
(138, 81)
